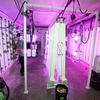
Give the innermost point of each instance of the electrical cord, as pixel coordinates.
(19, 11)
(62, 12)
(21, 2)
(73, 6)
(8, 91)
(2, 85)
(32, 23)
(17, 5)
(80, 8)
(16, 17)
(82, 36)
(69, 1)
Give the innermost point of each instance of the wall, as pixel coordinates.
(6, 47)
(85, 48)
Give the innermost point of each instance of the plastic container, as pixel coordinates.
(61, 92)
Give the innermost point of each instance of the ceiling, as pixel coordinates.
(44, 16)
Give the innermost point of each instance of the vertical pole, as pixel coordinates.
(93, 49)
(63, 51)
(25, 59)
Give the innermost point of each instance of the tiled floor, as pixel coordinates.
(76, 75)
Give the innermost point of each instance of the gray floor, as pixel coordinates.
(76, 75)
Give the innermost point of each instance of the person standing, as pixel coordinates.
(20, 52)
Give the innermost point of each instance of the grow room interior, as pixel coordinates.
(61, 46)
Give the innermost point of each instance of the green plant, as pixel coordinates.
(2, 33)
(13, 57)
(12, 45)
(8, 46)
(5, 51)
(6, 35)
(11, 53)
(8, 42)
(1, 68)
(10, 38)
(4, 44)
(10, 32)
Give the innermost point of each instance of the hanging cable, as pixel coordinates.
(62, 12)
(2, 86)
(73, 6)
(21, 2)
(16, 17)
(69, 1)
(32, 25)
(82, 35)
(80, 8)
(32, 28)
(19, 11)
(17, 5)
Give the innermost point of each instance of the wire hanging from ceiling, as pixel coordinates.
(16, 17)
(68, 2)
(73, 6)
(21, 2)
(82, 33)
(80, 8)
(62, 12)
(17, 5)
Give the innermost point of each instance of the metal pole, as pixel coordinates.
(63, 51)
(54, 7)
(93, 49)
(25, 59)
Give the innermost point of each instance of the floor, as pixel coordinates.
(76, 75)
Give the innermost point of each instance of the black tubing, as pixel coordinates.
(8, 91)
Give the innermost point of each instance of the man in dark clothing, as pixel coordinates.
(20, 52)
